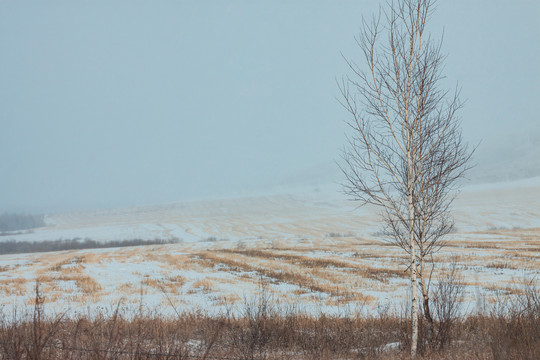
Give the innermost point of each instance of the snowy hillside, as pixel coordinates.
(312, 246)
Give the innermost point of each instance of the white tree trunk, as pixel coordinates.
(413, 266)
(414, 308)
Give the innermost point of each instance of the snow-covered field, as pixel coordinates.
(310, 248)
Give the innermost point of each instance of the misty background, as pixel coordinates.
(121, 103)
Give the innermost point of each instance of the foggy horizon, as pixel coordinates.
(131, 103)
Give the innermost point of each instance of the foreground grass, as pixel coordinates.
(264, 330)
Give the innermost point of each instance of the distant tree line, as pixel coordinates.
(17, 247)
(14, 222)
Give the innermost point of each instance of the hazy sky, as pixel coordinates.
(108, 103)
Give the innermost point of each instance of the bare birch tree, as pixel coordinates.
(406, 152)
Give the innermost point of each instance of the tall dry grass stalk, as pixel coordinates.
(264, 329)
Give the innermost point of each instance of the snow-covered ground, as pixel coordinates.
(310, 247)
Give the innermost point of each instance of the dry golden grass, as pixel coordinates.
(204, 285)
(126, 289)
(362, 270)
(153, 283)
(47, 297)
(169, 284)
(339, 266)
(501, 265)
(225, 300)
(523, 256)
(350, 297)
(87, 285)
(264, 330)
(325, 282)
(505, 289)
(178, 262)
(91, 258)
(475, 244)
(14, 286)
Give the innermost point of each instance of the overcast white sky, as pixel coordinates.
(109, 103)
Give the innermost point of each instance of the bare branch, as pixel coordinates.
(405, 153)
